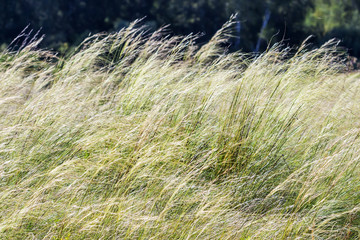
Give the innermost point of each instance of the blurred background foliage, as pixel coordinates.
(260, 22)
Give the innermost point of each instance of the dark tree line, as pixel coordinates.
(259, 21)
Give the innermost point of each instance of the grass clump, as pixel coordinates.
(143, 136)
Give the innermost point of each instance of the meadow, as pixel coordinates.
(139, 135)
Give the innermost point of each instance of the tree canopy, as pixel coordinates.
(260, 22)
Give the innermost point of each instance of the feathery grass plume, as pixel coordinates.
(139, 135)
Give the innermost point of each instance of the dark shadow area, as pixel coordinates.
(259, 23)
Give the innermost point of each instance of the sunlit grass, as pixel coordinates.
(142, 136)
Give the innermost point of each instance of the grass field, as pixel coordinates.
(142, 136)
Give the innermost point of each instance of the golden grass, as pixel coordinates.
(142, 136)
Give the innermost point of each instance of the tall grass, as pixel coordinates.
(144, 136)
